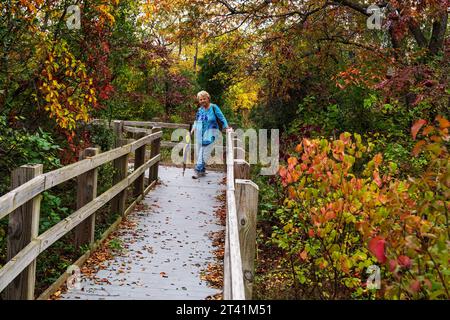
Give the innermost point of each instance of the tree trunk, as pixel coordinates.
(438, 34)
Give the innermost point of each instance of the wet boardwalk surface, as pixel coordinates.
(169, 247)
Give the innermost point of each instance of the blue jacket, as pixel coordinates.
(205, 121)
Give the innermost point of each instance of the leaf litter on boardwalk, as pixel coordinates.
(103, 256)
(214, 270)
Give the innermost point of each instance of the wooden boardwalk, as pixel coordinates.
(167, 249)
(166, 252)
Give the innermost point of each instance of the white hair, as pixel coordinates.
(203, 93)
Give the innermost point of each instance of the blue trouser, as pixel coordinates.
(203, 154)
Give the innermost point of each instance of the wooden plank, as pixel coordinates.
(139, 160)
(86, 192)
(136, 130)
(118, 204)
(151, 185)
(247, 208)
(66, 173)
(241, 169)
(171, 144)
(17, 197)
(167, 125)
(23, 228)
(156, 124)
(146, 140)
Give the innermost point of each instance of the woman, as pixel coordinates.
(206, 127)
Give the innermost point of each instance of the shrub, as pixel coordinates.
(337, 221)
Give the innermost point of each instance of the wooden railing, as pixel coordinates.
(136, 127)
(240, 234)
(22, 204)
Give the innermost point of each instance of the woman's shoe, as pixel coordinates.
(198, 175)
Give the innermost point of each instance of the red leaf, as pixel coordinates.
(376, 247)
(416, 127)
(392, 265)
(404, 261)
(415, 285)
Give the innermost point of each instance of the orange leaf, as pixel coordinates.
(378, 159)
(427, 130)
(330, 215)
(304, 255)
(282, 172)
(416, 127)
(292, 193)
(443, 123)
(292, 161)
(418, 147)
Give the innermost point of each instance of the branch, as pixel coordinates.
(352, 5)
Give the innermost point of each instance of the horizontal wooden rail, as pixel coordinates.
(136, 130)
(17, 197)
(170, 144)
(165, 125)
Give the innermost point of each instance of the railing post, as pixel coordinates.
(139, 160)
(241, 169)
(86, 192)
(118, 203)
(246, 193)
(154, 151)
(118, 132)
(23, 228)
